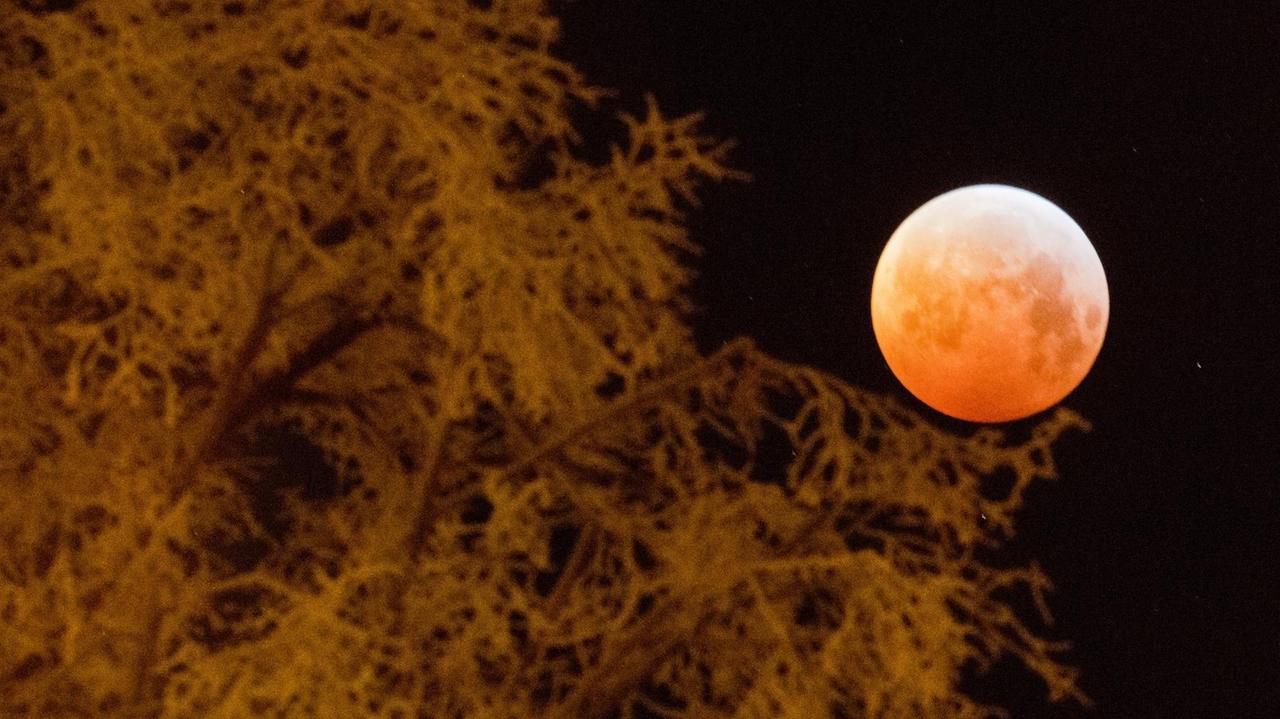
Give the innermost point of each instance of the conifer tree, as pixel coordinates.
(335, 382)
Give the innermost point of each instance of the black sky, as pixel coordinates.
(1155, 126)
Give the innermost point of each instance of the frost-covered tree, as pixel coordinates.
(233, 231)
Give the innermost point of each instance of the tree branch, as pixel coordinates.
(430, 510)
(429, 506)
(639, 401)
(341, 334)
(628, 661)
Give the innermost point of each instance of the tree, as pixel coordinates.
(336, 382)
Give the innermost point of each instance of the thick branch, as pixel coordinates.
(639, 401)
(345, 331)
(222, 415)
(322, 348)
(430, 510)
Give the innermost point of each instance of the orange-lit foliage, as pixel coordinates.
(222, 220)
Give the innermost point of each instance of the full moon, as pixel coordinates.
(989, 303)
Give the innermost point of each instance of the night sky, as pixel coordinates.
(1155, 126)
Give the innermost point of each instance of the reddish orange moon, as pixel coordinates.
(989, 303)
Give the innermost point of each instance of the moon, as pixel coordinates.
(989, 303)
